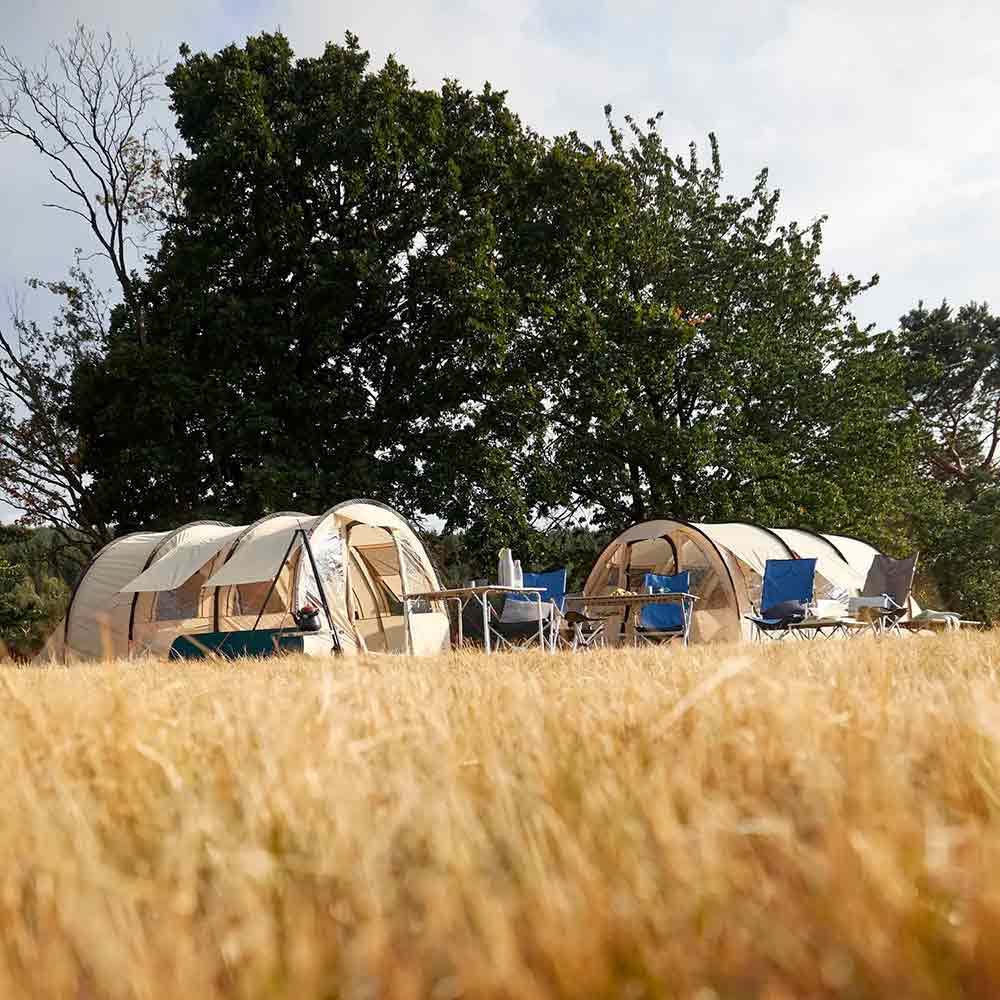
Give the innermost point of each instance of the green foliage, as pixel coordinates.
(953, 383)
(27, 613)
(952, 378)
(37, 569)
(40, 473)
(332, 315)
(710, 369)
(372, 289)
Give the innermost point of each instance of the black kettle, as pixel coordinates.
(307, 619)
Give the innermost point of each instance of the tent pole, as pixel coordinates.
(322, 592)
(274, 582)
(403, 586)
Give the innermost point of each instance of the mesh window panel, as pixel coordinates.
(383, 560)
(364, 604)
(328, 552)
(416, 577)
(182, 602)
(385, 585)
(715, 611)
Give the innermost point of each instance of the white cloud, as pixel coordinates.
(879, 114)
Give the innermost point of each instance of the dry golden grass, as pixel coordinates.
(802, 820)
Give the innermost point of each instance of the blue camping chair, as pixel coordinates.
(521, 627)
(553, 584)
(786, 591)
(663, 622)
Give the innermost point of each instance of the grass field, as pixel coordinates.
(802, 820)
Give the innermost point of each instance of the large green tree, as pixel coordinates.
(705, 365)
(331, 313)
(37, 570)
(371, 288)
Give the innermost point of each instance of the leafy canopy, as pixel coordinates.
(373, 289)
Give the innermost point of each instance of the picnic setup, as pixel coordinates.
(357, 579)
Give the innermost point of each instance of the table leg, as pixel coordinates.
(541, 629)
(630, 616)
(461, 634)
(483, 599)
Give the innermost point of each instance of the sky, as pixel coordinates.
(880, 115)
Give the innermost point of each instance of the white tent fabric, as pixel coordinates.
(184, 560)
(258, 555)
(858, 554)
(97, 625)
(142, 591)
(368, 513)
(747, 542)
(829, 563)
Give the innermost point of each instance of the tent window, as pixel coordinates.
(753, 582)
(382, 560)
(364, 603)
(329, 555)
(180, 603)
(416, 578)
(705, 580)
(612, 567)
(650, 555)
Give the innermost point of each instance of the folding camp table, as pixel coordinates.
(633, 605)
(827, 628)
(463, 596)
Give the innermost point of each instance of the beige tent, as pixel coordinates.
(726, 566)
(143, 590)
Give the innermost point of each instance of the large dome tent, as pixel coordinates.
(142, 591)
(726, 564)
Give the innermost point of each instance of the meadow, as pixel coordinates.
(793, 820)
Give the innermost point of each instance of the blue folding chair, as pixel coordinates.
(663, 622)
(553, 584)
(786, 591)
(522, 627)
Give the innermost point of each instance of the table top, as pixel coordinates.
(490, 588)
(610, 600)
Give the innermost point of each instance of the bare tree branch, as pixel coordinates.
(40, 472)
(88, 111)
(90, 119)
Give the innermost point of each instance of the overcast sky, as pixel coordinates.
(881, 115)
